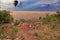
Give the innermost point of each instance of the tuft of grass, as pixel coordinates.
(19, 21)
(35, 34)
(13, 33)
(16, 22)
(3, 33)
(51, 19)
(51, 32)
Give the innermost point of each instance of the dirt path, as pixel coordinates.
(26, 34)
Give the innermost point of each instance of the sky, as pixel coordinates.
(29, 4)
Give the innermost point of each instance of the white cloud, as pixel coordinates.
(56, 5)
(42, 5)
(8, 3)
(22, 0)
(41, 2)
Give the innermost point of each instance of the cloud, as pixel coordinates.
(22, 0)
(42, 5)
(41, 2)
(8, 3)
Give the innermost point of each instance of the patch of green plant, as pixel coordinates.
(3, 33)
(16, 22)
(40, 17)
(49, 19)
(13, 33)
(58, 15)
(22, 20)
(5, 17)
(36, 34)
(19, 21)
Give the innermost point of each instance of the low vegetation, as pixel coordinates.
(47, 32)
(19, 21)
(51, 19)
(50, 31)
(3, 32)
(5, 17)
(12, 33)
(36, 34)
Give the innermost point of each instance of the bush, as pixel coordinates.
(58, 15)
(13, 33)
(3, 33)
(35, 34)
(5, 17)
(51, 19)
(16, 22)
(19, 21)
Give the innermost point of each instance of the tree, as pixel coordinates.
(5, 17)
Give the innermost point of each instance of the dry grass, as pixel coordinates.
(48, 32)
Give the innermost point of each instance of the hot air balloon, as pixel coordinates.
(15, 3)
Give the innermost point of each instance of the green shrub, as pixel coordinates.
(58, 15)
(13, 33)
(16, 22)
(35, 34)
(19, 21)
(40, 17)
(50, 19)
(3, 33)
(5, 17)
(22, 20)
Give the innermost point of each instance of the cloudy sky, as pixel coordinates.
(29, 4)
